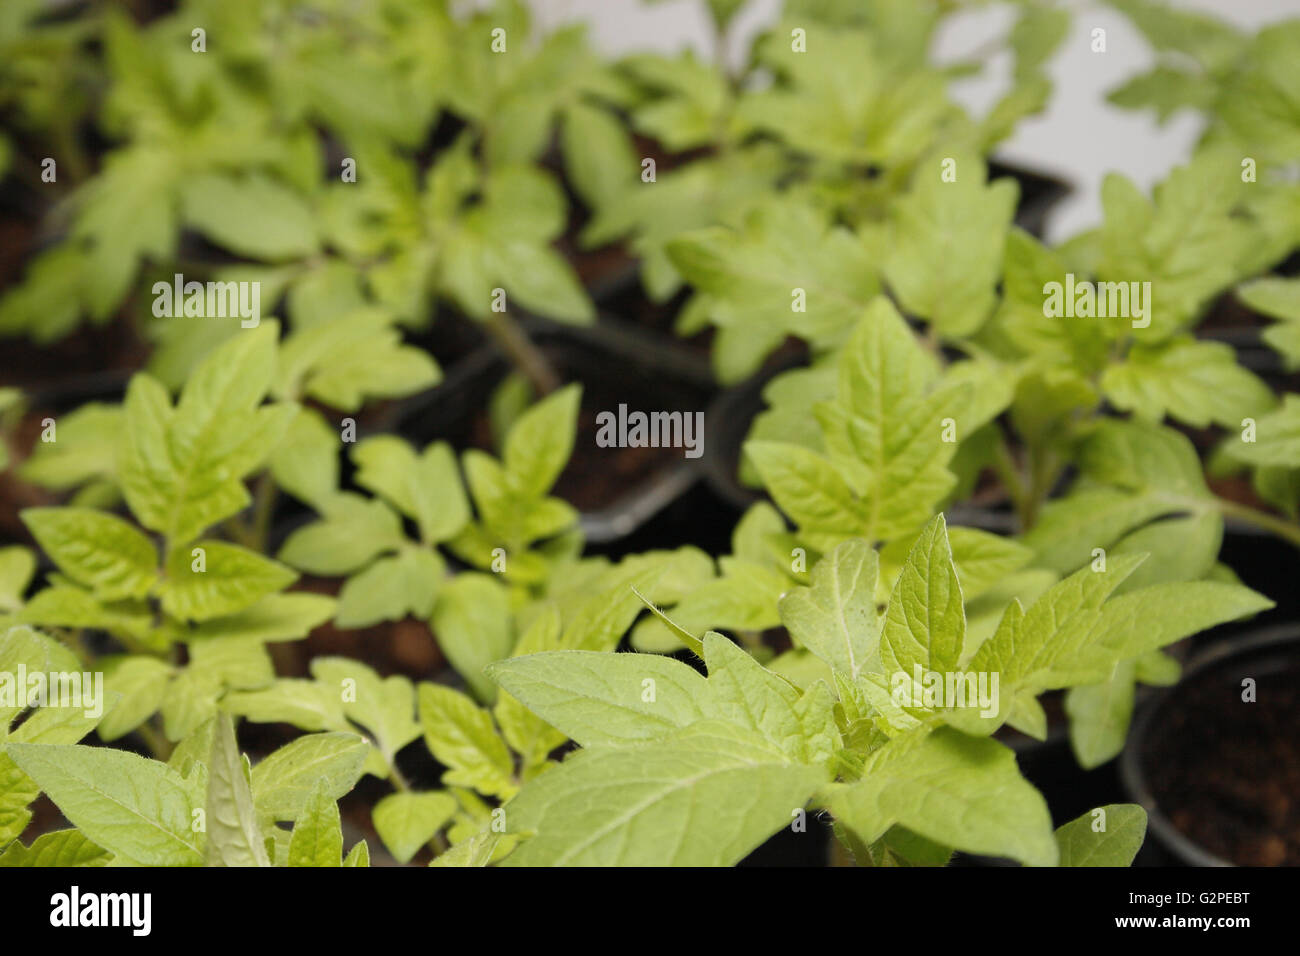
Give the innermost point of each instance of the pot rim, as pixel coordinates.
(1133, 776)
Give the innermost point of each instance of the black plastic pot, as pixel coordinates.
(616, 365)
(1039, 194)
(1175, 716)
(1265, 563)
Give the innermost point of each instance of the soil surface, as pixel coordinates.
(1227, 772)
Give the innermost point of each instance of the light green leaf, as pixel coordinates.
(925, 624)
(425, 487)
(95, 549)
(1123, 828)
(308, 705)
(836, 618)
(704, 797)
(945, 253)
(62, 848)
(234, 838)
(255, 217)
(601, 698)
(407, 821)
(385, 707)
(213, 578)
(1198, 383)
(391, 588)
(1099, 716)
(460, 734)
(539, 444)
(317, 838)
(959, 791)
(135, 808)
(353, 532)
(473, 625)
(141, 682)
(283, 782)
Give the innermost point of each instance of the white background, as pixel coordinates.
(1080, 138)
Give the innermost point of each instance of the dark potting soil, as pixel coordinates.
(1227, 773)
(405, 647)
(597, 477)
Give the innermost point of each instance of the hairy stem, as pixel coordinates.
(526, 357)
(1286, 530)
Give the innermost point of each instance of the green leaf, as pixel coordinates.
(1209, 40)
(1140, 621)
(407, 821)
(425, 487)
(885, 431)
(17, 565)
(277, 617)
(391, 588)
(141, 682)
(212, 578)
(601, 698)
(86, 449)
(809, 490)
(461, 736)
(598, 154)
(255, 217)
(746, 694)
(96, 549)
(984, 560)
(787, 271)
(1099, 716)
(925, 624)
(1276, 437)
(959, 791)
(357, 357)
(62, 848)
(359, 855)
(1028, 266)
(945, 253)
(1165, 90)
(306, 463)
(836, 618)
(1198, 383)
(182, 469)
(308, 705)
(234, 838)
(385, 707)
(473, 624)
(706, 796)
(1112, 838)
(539, 444)
(137, 809)
(283, 782)
(317, 838)
(354, 531)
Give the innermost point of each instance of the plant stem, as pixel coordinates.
(1009, 475)
(522, 353)
(264, 495)
(1044, 469)
(157, 743)
(1286, 530)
